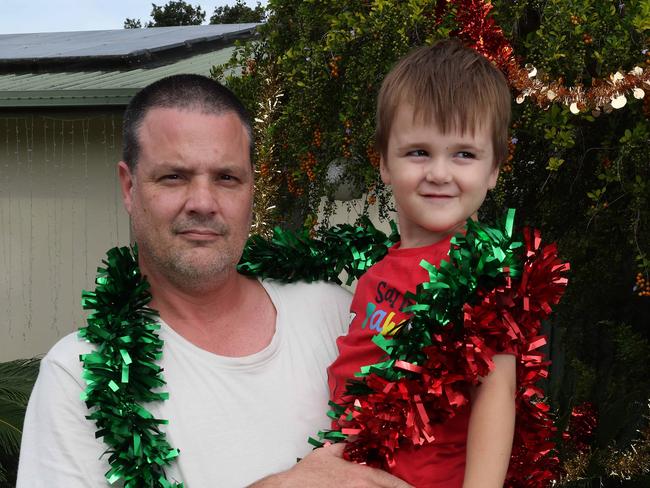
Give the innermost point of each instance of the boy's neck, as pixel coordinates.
(429, 238)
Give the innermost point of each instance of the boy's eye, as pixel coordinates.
(419, 153)
(465, 155)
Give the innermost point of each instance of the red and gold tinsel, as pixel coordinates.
(480, 32)
(508, 317)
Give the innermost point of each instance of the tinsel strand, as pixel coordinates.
(123, 372)
(480, 32)
(267, 175)
(295, 256)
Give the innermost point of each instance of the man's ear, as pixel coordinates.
(383, 171)
(126, 185)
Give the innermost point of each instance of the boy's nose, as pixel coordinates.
(438, 171)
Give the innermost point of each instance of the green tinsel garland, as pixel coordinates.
(122, 373)
(290, 256)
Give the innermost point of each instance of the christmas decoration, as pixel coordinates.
(480, 31)
(447, 345)
(122, 373)
(267, 175)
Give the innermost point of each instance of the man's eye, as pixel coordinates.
(227, 177)
(419, 153)
(171, 177)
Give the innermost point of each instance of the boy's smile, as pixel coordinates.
(438, 180)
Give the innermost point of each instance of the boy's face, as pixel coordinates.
(438, 180)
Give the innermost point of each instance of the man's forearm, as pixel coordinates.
(325, 467)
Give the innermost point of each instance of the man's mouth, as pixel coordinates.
(200, 234)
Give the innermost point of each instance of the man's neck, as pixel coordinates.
(230, 316)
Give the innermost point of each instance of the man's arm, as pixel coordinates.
(58, 444)
(491, 426)
(326, 467)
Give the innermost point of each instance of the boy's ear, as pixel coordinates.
(493, 177)
(383, 171)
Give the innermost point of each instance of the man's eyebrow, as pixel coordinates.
(176, 167)
(230, 168)
(171, 166)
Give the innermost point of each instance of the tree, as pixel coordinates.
(238, 13)
(176, 12)
(132, 23)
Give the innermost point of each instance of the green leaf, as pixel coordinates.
(16, 382)
(554, 163)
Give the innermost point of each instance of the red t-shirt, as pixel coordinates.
(379, 299)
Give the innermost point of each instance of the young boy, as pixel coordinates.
(442, 124)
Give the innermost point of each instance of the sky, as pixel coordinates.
(21, 16)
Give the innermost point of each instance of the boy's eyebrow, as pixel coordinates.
(454, 147)
(462, 146)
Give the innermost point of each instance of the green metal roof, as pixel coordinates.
(98, 87)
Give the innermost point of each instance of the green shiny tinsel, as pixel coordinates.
(290, 256)
(122, 373)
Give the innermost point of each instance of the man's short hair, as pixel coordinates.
(185, 92)
(451, 86)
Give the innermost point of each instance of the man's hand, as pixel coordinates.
(326, 467)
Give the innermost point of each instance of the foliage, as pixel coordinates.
(132, 23)
(331, 58)
(583, 178)
(16, 381)
(176, 12)
(238, 13)
(179, 12)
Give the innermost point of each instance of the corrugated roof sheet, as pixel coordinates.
(106, 67)
(119, 42)
(108, 87)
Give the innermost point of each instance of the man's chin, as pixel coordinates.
(201, 266)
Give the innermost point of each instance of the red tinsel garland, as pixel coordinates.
(506, 318)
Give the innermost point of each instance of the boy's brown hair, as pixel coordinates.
(450, 85)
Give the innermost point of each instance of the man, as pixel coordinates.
(244, 360)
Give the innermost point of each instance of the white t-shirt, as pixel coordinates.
(235, 420)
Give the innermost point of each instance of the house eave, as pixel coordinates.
(66, 98)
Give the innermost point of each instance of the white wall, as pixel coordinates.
(60, 210)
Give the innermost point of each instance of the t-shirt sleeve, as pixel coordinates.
(59, 447)
(337, 299)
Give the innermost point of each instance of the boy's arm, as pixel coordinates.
(491, 426)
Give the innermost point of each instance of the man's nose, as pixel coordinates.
(202, 197)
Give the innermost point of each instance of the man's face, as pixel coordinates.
(438, 180)
(190, 196)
